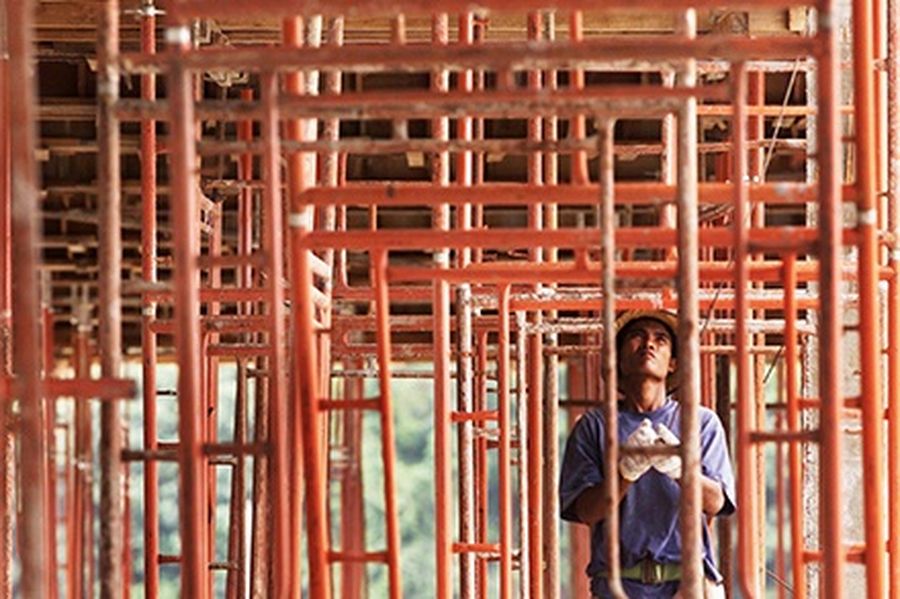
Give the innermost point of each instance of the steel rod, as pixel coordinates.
(831, 312)
(25, 304)
(7, 448)
(506, 55)
(388, 452)
(609, 372)
(690, 512)
(110, 306)
(893, 297)
(745, 415)
(440, 177)
(869, 308)
(465, 362)
(500, 194)
(292, 37)
(504, 425)
(795, 457)
(191, 461)
(534, 359)
(148, 336)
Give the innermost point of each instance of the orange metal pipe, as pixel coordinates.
(519, 194)
(504, 488)
(746, 455)
(792, 397)
(388, 452)
(869, 309)
(292, 37)
(52, 466)
(6, 450)
(25, 303)
(579, 535)
(766, 271)
(550, 407)
(284, 569)
(110, 300)
(535, 360)
(769, 239)
(690, 509)
(580, 174)
(651, 47)
(191, 461)
(893, 300)
(481, 462)
(831, 323)
(236, 577)
(81, 533)
(440, 177)
(606, 168)
(148, 336)
(353, 519)
(306, 378)
(464, 366)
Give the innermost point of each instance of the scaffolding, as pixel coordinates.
(284, 263)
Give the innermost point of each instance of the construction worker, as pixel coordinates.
(649, 489)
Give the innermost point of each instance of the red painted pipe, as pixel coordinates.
(867, 183)
(504, 424)
(25, 302)
(440, 177)
(746, 454)
(191, 460)
(831, 312)
(148, 336)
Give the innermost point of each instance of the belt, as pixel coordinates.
(650, 572)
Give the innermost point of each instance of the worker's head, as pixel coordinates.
(647, 346)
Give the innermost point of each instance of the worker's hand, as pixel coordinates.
(634, 466)
(669, 465)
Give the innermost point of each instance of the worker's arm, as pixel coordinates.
(713, 498)
(592, 506)
(582, 498)
(712, 491)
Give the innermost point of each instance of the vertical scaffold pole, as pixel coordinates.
(443, 470)
(25, 303)
(606, 148)
(867, 185)
(464, 363)
(285, 579)
(745, 416)
(831, 250)
(185, 224)
(110, 299)
(504, 424)
(7, 453)
(893, 305)
(534, 447)
(688, 327)
(148, 313)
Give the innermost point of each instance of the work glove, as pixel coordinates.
(634, 466)
(669, 465)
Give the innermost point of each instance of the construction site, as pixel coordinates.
(302, 298)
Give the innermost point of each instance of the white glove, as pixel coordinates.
(634, 466)
(669, 465)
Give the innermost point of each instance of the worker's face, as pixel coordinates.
(646, 350)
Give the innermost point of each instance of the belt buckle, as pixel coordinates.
(651, 572)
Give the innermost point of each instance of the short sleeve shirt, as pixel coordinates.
(648, 514)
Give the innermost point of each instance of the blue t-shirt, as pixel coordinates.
(648, 514)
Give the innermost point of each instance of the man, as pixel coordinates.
(649, 488)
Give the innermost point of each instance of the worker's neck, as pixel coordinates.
(645, 395)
